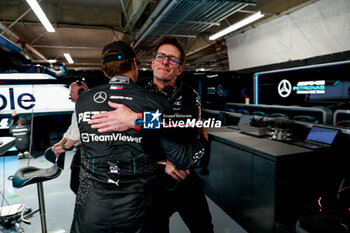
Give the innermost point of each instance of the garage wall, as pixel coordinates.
(318, 29)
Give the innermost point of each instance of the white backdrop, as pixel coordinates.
(318, 29)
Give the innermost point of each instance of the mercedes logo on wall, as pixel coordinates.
(284, 88)
(220, 90)
(100, 97)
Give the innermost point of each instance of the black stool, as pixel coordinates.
(31, 175)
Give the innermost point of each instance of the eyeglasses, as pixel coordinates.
(171, 59)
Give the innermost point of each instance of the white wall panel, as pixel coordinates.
(318, 29)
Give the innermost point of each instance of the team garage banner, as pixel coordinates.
(36, 98)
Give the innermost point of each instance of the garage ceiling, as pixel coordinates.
(83, 27)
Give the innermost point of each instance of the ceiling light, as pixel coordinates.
(237, 25)
(41, 15)
(69, 58)
(52, 60)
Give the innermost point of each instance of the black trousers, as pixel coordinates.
(75, 170)
(105, 208)
(186, 197)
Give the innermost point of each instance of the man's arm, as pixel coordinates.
(65, 146)
(182, 155)
(120, 119)
(176, 173)
(60, 143)
(68, 133)
(70, 138)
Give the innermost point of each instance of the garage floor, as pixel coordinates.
(59, 200)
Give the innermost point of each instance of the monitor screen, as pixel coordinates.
(322, 135)
(324, 85)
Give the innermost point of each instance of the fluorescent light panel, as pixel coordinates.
(237, 25)
(41, 15)
(69, 58)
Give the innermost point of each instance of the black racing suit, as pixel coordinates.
(116, 168)
(187, 197)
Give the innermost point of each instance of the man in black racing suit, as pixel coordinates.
(176, 188)
(117, 168)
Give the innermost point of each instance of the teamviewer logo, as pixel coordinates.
(85, 137)
(151, 120)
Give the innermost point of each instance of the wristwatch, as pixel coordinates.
(138, 121)
(66, 148)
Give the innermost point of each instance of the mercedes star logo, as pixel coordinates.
(284, 88)
(100, 97)
(220, 90)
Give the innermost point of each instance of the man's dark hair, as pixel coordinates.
(116, 67)
(173, 41)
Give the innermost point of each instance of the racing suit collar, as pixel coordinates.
(121, 79)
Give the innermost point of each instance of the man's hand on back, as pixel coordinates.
(121, 119)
